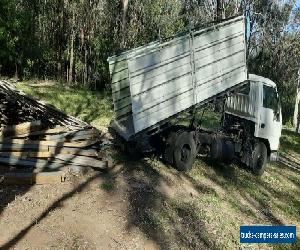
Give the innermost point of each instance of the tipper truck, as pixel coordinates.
(153, 86)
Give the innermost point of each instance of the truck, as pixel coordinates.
(156, 86)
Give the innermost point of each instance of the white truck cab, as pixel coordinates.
(258, 102)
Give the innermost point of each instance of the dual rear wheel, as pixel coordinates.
(183, 151)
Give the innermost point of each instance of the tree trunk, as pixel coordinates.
(237, 7)
(85, 75)
(220, 10)
(72, 37)
(125, 8)
(297, 102)
(296, 111)
(16, 70)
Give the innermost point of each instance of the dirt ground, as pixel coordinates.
(147, 205)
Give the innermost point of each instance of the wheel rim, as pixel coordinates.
(185, 153)
(259, 161)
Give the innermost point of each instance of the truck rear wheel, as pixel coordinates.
(259, 158)
(185, 151)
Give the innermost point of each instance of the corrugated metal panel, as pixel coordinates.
(120, 86)
(167, 78)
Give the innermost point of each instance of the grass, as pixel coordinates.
(290, 142)
(90, 106)
(208, 204)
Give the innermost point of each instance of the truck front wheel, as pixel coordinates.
(185, 151)
(259, 158)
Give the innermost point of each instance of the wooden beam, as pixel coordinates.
(74, 135)
(34, 178)
(31, 162)
(51, 131)
(20, 129)
(73, 151)
(82, 161)
(38, 154)
(21, 147)
(23, 142)
(53, 150)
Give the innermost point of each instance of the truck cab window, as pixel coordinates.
(245, 90)
(270, 98)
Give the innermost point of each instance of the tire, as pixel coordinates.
(259, 158)
(133, 151)
(168, 155)
(185, 151)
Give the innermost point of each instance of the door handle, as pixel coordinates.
(262, 125)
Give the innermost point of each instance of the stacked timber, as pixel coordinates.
(16, 107)
(31, 146)
(37, 137)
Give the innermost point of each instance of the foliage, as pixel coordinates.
(70, 41)
(290, 142)
(274, 50)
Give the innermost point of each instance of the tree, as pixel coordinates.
(296, 120)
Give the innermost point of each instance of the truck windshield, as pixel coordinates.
(270, 98)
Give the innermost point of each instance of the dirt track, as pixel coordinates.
(146, 205)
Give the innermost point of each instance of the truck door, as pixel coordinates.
(270, 118)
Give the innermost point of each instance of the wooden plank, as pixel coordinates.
(30, 162)
(23, 147)
(74, 151)
(49, 143)
(43, 150)
(47, 112)
(75, 135)
(51, 131)
(81, 161)
(34, 178)
(39, 154)
(20, 129)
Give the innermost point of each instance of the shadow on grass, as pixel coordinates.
(258, 193)
(173, 222)
(169, 223)
(290, 141)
